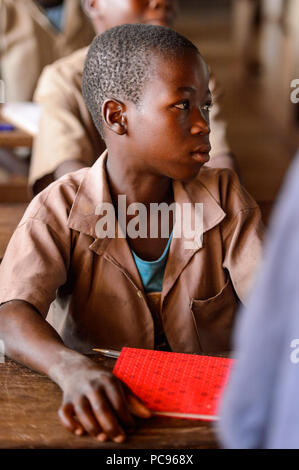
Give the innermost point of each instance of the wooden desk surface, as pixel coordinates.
(15, 138)
(28, 419)
(10, 215)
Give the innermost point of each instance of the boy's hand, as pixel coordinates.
(96, 402)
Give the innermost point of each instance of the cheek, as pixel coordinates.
(123, 11)
(157, 130)
(172, 127)
(133, 9)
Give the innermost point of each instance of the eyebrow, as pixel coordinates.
(187, 88)
(192, 90)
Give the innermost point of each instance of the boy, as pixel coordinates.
(67, 139)
(35, 33)
(147, 90)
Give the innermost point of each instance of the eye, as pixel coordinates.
(183, 105)
(207, 107)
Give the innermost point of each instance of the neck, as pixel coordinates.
(138, 185)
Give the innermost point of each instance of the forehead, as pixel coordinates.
(187, 70)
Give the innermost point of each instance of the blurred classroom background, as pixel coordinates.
(252, 47)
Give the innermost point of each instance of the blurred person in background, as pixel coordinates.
(260, 404)
(68, 139)
(249, 18)
(35, 34)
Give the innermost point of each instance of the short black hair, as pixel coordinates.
(118, 63)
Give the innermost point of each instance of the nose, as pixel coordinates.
(166, 4)
(201, 123)
(154, 3)
(161, 12)
(157, 3)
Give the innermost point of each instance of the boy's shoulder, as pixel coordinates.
(224, 186)
(65, 72)
(53, 205)
(73, 63)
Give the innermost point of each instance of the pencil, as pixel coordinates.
(107, 352)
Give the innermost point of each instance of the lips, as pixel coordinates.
(201, 154)
(202, 149)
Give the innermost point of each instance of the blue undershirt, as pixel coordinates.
(55, 16)
(152, 272)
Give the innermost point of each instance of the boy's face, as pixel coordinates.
(116, 12)
(168, 131)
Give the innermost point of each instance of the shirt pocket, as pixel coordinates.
(214, 319)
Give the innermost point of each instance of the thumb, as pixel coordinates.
(136, 406)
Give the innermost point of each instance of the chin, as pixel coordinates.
(189, 176)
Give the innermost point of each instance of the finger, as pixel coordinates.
(105, 416)
(118, 400)
(66, 415)
(136, 406)
(87, 419)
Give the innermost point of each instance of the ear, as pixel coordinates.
(114, 116)
(91, 7)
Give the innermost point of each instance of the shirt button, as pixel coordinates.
(139, 293)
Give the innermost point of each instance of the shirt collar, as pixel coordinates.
(94, 190)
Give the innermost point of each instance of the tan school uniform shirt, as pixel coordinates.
(93, 286)
(29, 42)
(67, 131)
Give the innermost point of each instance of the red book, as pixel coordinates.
(174, 384)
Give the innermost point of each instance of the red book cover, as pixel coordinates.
(174, 384)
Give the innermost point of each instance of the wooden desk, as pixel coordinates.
(10, 215)
(28, 419)
(15, 138)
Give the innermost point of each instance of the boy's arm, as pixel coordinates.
(92, 396)
(36, 263)
(242, 233)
